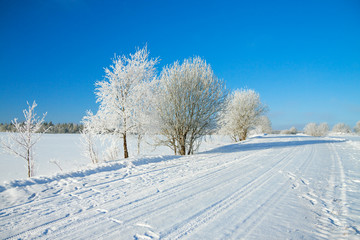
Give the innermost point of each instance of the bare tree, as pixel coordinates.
(242, 113)
(21, 143)
(189, 102)
(120, 91)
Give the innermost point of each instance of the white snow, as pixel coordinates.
(267, 187)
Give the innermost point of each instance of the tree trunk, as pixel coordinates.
(28, 162)
(174, 145)
(126, 154)
(182, 149)
(243, 135)
(182, 144)
(139, 143)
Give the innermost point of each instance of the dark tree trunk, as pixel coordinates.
(182, 144)
(126, 153)
(243, 135)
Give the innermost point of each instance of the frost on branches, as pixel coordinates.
(292, 130)
(123, 96)
(315, 130)
(357, 127)
(89, 136)
(189, 101)
(241, 114)
(341, 128)
(21, 143)
(263, 125)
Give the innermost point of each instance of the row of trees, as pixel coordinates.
(180, 106)
(320, 130)
(52, 128)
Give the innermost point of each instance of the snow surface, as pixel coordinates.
(268, 187)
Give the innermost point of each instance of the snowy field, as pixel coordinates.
(269, 187)
(66, 151)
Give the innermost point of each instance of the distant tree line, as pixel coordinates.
(52, 128)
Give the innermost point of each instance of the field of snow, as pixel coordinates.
(268, 187)
(65, 150)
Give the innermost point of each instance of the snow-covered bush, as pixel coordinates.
(190, 98)
(311, 129)
(292, 130)
(357, 127)
(263, 126)
(89, 136)
(315, 130)
(122, 96)
(323, 129)
(341, 128)
(241, 114)
(21, 142)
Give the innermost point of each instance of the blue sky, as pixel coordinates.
(303, 57)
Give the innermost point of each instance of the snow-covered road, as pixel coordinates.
(272, 187)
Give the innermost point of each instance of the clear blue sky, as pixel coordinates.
(303, 57)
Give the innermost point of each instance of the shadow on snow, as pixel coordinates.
(248, 146)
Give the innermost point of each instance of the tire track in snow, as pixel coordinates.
(190, 224)
(256, 217)
(182, 188)
(43, 200)
(68, 196)
(47, 199)
(334, 211)
(44, 222)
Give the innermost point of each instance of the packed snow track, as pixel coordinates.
(270, 187)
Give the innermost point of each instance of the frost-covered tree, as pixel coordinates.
(121, 93)
(265, 124)
(242, 112)
(357, 127)
(323, 129)
(190, 99)
(262, 126)
(145, 113)
(341, 128)
(315, 130)
(292, 130)
(311, 129)
(21, 142)
(89, 136)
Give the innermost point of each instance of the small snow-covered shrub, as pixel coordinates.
(357, 127)
(311, 129)
(263, 126)
(341, 128)
(315, 130)
(292, 130)
(323, 129)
